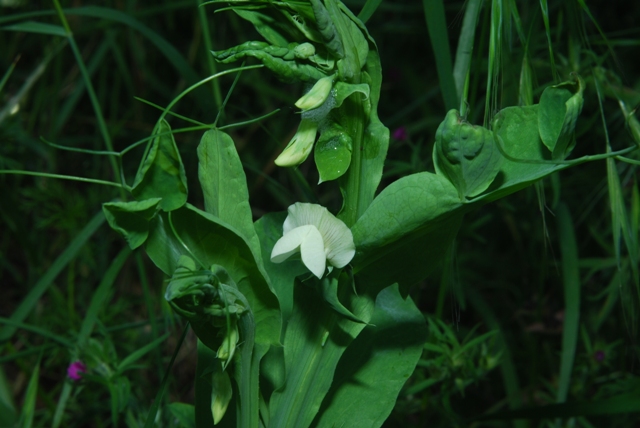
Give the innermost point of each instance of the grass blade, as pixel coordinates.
(368, 10)
(99, 299)
(465, 44)
(437, 26)
(29, 405)
(571, 280)
(47, 279)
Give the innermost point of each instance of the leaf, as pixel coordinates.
(37, 27)
(184, 413)
(224, 185)
(560, 106)
(315, 339)
(327, 27)
(466, 155)
(161, 173)
(131, 219)
(329, 290)
(516, 133)
(212, 241)
(342, 90)
(287, 70)
(332, 153)
(376, 365)
(282, 275)
(402, 236)
(274, 32)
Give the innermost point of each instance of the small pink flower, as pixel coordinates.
(75, 369)
(400, 134)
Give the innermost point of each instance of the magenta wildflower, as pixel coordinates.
(599, 356)
(400, 134)
(75, 369)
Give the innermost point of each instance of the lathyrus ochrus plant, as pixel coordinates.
(304, 318)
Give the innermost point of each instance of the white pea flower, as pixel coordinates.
(300, 145)
(318, 235)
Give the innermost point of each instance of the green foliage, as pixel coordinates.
(348, 345)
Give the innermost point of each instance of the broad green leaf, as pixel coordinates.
(402, 236)
(466, 155)
(207, 364)
(224, 185)
(332, 153)
(527, 159)
(560, 106)
(376, 365)
(161, 173)
(282, 275)
(212, 241)
(131, 219)
(315, 339)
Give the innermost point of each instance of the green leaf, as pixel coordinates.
(37, 27)
(330, 35)
(572, 285)
(287, 70)
(224, 185)
(332, 153)
(315, 339)
(210, 241)
(29, 403)
(402, 236)
(560, 106)
(527, 160)
(184, 413)
(131, 219)
(282, 275)
(276, 33)
(342, 90)
(376, 365)
(161, 174)
(466, 155)
(329, 286)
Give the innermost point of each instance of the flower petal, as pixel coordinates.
(306, 239)
(338, 239)
(300, 145)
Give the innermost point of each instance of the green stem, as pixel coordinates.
(354, 204)
(63, 177)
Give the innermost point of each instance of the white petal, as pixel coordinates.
(337, 238)
(301, 214)
(289, 244)
(313, 254)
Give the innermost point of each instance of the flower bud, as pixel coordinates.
(317, 95)
(300, 145)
